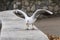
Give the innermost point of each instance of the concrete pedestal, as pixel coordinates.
(14, 28)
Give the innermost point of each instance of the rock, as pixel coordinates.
(50, 8)
(31, 3)
(38, 2)
(28, 8)
(23, 3)
(33, 8)
(56, 8)
(15, 6)
(45, 7)
(26, 3)
(50, 1)
(18, 3)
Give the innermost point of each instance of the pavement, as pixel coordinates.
(49, 25)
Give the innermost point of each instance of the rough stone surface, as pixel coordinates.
(8, 5)
(33, 8)
(13, 28)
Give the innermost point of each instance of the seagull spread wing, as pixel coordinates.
(41, 11)
(20, 13)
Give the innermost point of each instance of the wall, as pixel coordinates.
(31, 5)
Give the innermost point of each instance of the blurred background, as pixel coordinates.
(30, 5)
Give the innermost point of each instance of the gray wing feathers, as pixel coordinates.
(40, 11)
(20, 13)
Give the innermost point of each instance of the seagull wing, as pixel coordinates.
(41, 11)
(20, 13)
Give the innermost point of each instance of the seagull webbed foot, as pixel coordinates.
(33, 29)
(27, 28)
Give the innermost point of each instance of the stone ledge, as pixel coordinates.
(15, 30)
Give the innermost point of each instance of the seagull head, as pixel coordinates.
(27, 20)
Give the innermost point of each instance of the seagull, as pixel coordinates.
(30, 20)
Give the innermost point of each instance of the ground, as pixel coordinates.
(49, 25)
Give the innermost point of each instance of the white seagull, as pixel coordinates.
(30, 20)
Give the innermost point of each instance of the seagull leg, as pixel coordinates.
(27, 26)
(33, 27)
